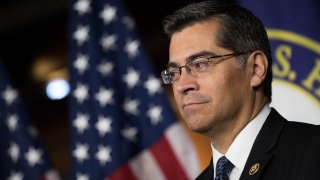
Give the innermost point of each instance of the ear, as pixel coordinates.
(259, 66)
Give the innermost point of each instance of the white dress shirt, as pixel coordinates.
(240, 148)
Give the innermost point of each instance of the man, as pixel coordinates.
(220, 71)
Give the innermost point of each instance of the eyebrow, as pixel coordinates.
(193, 57)
(200, 54)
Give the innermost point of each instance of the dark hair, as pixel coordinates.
(240, 30)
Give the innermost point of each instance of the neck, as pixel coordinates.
(223, 136)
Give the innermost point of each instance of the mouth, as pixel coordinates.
(193, 101)
(191, 105)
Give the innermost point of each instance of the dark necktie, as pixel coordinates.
(223, 169)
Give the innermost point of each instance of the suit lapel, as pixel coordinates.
(266, 140)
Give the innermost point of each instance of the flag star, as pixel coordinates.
(82, 6)
(14, 151)
(81, 35)
(131, 106)
(131, 48)
(81, 152)
(81, 92)
(154, 113)
(130, 133)
(15, 176)
(103, 154)
(103, 125)
(109, 42)
(81, 122)
(108, 14)
(128, 21)
(153, 85)
(33, 156)
(81, 176)
(9, 95)
(12, 122)
(104, 96)
(105, 68)
(81, 63)
(132, 78)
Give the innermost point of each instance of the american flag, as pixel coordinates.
(122, 124)
(21, 154)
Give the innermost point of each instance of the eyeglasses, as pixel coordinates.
(196, 67)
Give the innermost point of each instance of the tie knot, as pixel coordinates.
(223, 169)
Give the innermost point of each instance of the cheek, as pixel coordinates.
(212, 86)
(232, 89)
(175, 93)
(222, 87)
(177, 98)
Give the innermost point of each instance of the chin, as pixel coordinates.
(202, 129)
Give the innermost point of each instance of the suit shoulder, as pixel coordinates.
(305, 128)
(206, 173)
(301, 133)
(295, 132)
(294, 128)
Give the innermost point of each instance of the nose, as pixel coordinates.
(186, 82)
(186, 67)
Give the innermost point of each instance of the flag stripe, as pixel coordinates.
(118, 108)
(52, 175)
(123, 172)
(145, 167)
(167, 160)
(183, 149)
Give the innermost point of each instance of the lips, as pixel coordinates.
(193, 100)
(188, 104)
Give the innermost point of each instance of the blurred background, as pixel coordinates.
(34, 50)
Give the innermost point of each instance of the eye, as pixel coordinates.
(173, 72)
(200, 64)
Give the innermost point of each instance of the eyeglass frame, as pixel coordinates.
(164, 73)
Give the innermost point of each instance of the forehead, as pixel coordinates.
(193, 39)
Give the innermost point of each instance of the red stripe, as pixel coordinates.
(122, 173)
(167, 160)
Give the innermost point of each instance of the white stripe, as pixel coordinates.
(52, 175)
(184, 149)
(145, 167)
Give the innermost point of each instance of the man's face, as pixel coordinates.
(215, 100)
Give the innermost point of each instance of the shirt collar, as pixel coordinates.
(240, 148)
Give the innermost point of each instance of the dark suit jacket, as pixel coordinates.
(284, 150)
